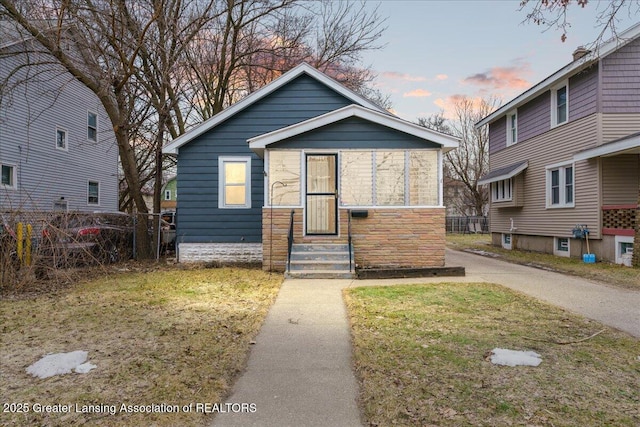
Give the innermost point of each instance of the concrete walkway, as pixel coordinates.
(300, 374)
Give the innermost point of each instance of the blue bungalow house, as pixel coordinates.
(305, 174)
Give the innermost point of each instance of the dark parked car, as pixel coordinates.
(77, 238)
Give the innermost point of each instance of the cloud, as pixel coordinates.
(394, 75)
(442, 77)
(417, 93)
(509, 78)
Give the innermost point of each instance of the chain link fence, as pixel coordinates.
(467, 224)
(45, 245)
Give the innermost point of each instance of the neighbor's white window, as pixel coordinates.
(512, 128)
(561, 246)
(234, 189)
(506, 241)
(560, 104)
(560, 186)
(9, 177)
(93, 193)
(501, 190)
(61, 139)
(60, 206)
(167, 194)
(284, 178)
(389, 178)
(92, 126)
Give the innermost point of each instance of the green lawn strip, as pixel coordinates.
(176, 337)
(421, 359)
(615, 275)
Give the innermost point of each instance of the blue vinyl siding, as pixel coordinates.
(200, 220)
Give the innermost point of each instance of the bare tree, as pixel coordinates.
(153, 63)
(255, 41)
(470, 161)
(554, 14)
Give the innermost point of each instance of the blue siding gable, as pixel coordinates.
(200, 220)
(355, 133)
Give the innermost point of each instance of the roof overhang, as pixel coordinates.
(565, 72)
(506, 172)
(626, 145)
(259, 143)
(304, 68)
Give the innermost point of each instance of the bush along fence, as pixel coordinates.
(467, 224)
(44, 245)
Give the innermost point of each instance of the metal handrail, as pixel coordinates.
(290, 241)
(349, 238)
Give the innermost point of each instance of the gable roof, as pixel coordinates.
(259, 143)
(304, 68)
(570, 69)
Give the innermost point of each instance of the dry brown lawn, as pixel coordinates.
(421, 360)
(175, 337)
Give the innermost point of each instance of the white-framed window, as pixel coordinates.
(560, 104)
(624, 249)
(506, 241)
(60, 205)
(560, 186)
(93, 193)
(512, 128)
(92, 126)
(9, 176)
(501, 190)
(167, 194)
(561, 246)
(389, 178)
(61, 139)
(234, 182)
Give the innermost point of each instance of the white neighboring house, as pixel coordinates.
(57, 145)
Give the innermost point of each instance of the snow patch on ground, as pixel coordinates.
(501, 356)
(60, 364)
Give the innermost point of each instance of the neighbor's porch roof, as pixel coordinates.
(627, 145)
(504, 173)
(259, 143)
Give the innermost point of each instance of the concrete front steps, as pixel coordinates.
(320, 261)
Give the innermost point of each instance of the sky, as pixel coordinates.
(437, 50)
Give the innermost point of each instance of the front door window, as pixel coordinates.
(321, 194)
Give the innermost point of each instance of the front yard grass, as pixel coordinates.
(421, 359)
(178, 336)
(612, 274)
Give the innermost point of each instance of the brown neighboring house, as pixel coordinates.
(567, 152)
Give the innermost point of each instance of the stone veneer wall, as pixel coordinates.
(403, 237)
(220, 252)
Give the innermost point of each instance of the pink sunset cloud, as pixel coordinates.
(417, 93)
(394, 75)
(510, 78)
(442, 77)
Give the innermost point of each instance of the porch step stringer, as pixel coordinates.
(320, 261)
